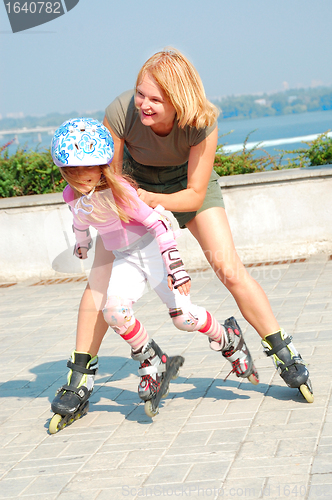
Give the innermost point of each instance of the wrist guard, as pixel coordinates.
(83, 240)
(175, 267)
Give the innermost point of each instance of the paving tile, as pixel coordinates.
(212, 438)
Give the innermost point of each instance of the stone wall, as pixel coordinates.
(273, 215)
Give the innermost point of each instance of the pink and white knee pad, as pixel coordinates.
(188, 320)
(119, 314)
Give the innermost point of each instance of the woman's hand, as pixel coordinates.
(147, 197)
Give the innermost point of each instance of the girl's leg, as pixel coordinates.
(219, 250)
(226, 338)
(91, 326)
(126, 286)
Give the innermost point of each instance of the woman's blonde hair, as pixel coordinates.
(183, 87)
(110, 195)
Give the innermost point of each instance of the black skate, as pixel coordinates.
(156, 371)
(71, 401)
(237, 352)
(173, 365)
(288, 362)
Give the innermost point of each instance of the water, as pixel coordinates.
(268, 128)
(274, 128)
(35, 141)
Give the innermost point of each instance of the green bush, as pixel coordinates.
(318, 153)
(28, 172)
(244, 161)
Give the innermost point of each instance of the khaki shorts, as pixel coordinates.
(169, 180)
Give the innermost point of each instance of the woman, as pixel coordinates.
(165, 136)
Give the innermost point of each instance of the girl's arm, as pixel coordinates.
(83, 242)
(118, 148)
(80, 230)
(200, 166)
(161, 228)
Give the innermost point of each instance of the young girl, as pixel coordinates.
(145, 250)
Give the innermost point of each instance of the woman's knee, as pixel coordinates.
(232, 274)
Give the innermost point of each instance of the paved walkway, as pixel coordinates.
(212, 439)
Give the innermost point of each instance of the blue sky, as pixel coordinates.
(82, 60)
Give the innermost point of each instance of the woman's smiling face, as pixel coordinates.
(155, 109)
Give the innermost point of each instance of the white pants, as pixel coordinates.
(142, 263)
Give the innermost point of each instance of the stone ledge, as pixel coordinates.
(275, 176)
(35, 200)
(229, 181)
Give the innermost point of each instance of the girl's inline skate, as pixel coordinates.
(72, 400)
(156, 371)
(237, 352)
(288, 362)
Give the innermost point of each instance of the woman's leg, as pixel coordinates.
(218, 246)
(91, 326)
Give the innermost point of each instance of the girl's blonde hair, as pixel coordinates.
(110, 195)
(182, 85)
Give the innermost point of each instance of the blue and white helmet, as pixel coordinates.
(82, 142)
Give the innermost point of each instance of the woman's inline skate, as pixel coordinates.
(237, 352)
(156, 371)
(72, 399)
(288, 362)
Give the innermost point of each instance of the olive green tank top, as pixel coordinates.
(143, 144)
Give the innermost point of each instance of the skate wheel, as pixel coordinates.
(176, 375)
(54, 423)
(83, 411)
(166, 393)
(306, 393)
(253, 379)
(149, 411)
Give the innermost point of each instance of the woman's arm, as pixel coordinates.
(200, 166)
(118, 148)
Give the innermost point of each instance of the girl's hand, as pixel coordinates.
(147, 197)
(81, 252)
(183, 289)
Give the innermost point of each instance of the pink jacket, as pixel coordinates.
(117, 234)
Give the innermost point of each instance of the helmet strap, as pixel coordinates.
(88, 206)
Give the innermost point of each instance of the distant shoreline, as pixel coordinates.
(289, 102)
(244, 107)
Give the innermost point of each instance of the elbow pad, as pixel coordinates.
(161, 228)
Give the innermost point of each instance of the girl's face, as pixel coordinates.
(86, 178)
(155, 109)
